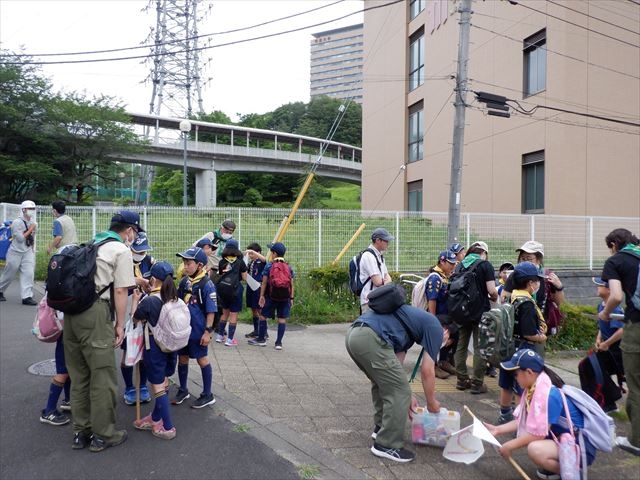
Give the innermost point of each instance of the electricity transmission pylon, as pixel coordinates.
(175, 71)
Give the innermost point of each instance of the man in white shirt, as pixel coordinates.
(373, 271)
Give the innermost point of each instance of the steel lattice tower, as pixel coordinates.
(175, 74)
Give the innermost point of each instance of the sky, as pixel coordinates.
(251, 77)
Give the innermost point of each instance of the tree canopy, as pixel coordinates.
(50, 141)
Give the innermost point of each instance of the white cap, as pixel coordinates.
(27, 204)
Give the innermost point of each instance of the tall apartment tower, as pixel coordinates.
(336, 63)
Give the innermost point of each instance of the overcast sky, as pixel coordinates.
(252, 77)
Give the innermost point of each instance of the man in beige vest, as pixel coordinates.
(64, 230)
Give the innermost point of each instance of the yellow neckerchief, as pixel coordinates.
(501, 282)
(527, 399)
(439, 271)
(192, 281)
(542, 325)
(230, 258)
(136, 270)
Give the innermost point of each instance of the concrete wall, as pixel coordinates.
(592, 167)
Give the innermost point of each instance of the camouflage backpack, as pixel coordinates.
(495, 332)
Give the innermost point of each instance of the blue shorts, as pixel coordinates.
(235, 305)
(282, 309)
(61, 366)
(194, 349)
(158, 364)
(252, 297)
(507, 380)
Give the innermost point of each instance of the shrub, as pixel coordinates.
(577, 331)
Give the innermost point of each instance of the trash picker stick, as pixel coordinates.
(513, 462)
(137, 373)
(351, 240)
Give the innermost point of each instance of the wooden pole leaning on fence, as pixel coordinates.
(294, 209)
(513, 462)
(350, 242)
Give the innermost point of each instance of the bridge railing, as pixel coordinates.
(348, 155)
(317, 236)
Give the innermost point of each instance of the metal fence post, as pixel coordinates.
(590, 243)
(397, 242)
(532, 227)
(93, 222)
(467, 233)
(319, 238)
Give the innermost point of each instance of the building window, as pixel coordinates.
(416, 6)
(414, 196)
(416, 60)
(416, 132)
(535, 63)
(533, 182)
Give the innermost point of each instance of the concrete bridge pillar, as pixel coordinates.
(206, 187)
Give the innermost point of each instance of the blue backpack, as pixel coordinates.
(5, 239)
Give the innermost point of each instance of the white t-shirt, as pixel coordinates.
(368, 268)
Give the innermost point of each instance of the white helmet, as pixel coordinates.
(27, 204)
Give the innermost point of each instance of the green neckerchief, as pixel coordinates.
(630, 247)
(469, 259)
(100, 236)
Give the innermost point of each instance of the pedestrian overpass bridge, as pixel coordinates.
(215, 147)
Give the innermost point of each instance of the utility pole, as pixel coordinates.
(458, 124)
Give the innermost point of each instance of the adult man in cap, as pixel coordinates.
(218, 240)
(21, 256)
(90, 336)
(476, 258)
(377, 342)
(64, 229)
(373, 270)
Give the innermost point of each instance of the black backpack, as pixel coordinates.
(465, 301)
(355, 285)
(229, 282)
(70, 278)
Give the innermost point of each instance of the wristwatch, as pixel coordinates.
(209, 329)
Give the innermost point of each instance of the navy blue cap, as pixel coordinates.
(524, 359)
(232, 243)
(456, 247)
(382, 234)
(527, 271)
(129, 218)
(194, 253)
(447, 255)
(277, 247)
(600, 282)
(204, 241)
(160, 270)
(141, 244)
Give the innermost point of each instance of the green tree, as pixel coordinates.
(51, 141)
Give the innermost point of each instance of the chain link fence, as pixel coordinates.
(316, 237)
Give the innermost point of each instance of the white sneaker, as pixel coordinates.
(220, 338)
(623, 443)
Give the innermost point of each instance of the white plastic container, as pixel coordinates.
(434, 428)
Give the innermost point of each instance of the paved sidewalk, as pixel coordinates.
(312, 395)
(311, 405)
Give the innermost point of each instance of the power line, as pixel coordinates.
(502, 87)
(196, 37)
(236, 42)
(498, 101)
(593, 18)
(558, 53)
(513, 2)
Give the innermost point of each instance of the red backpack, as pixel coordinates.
(280, 281)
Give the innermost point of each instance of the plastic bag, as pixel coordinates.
(134, 336)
